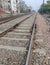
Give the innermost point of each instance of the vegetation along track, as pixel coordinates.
(15, 46)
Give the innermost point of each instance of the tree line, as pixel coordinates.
(45, 8)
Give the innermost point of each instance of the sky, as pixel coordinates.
(35, 4)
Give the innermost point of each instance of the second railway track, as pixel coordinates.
(15, 45)
(4, 28)
(7, 19)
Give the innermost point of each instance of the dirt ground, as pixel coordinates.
(41, 52)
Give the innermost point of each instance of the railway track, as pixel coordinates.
(7, 19)
(6, 27)
(15, 45)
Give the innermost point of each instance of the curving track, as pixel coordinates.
(15, 44)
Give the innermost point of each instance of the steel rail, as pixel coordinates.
(31, 41)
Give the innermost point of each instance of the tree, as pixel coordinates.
(45, 8)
